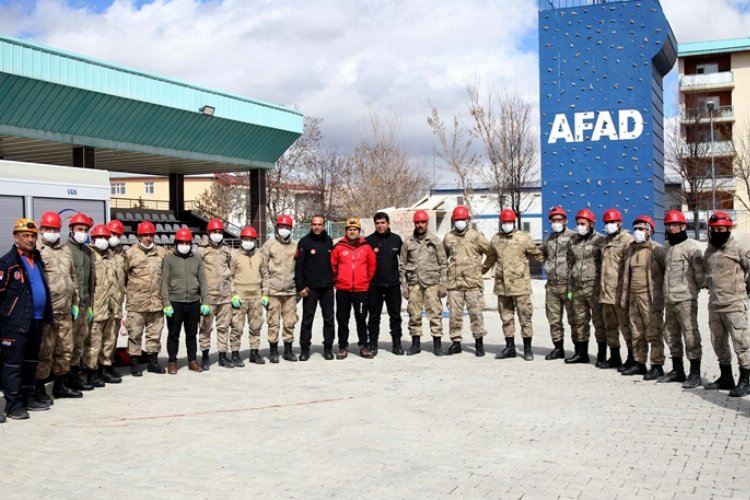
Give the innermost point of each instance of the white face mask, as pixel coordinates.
(247, 245)
(146, 247)
(51, 237)
(285, 233)
(460, 225)
(611, 227)
(639, 235)
(582, 229)
(216, 237)
(114, 241)
(507, 227)
(101, 243)
(183, 248)
(557, 227)
(80, 238)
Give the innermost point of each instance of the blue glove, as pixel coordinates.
(264, 301)
(89, 314)
(236, 302)
(205, 310)
(168, 311)
(75, 311)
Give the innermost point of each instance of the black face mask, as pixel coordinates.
(676, 238)
(718, 240)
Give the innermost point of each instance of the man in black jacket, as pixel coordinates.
(385, 286)
(313, 279)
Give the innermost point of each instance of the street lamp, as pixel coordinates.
(710, 106)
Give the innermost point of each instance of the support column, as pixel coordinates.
(257, 213)
(83, 157)
(176, 193)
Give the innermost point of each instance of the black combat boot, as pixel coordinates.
(528, 354)
(61, 390)
(581, 355)
(724, 382)
(558, 352)
(629, 362)
(614, 360)
(455, 348)
(397, 349)
(374, 347)
(236, 360)
(437, 346)
(289, 352)
(304, 353)
(256, 358)
(205, 363)
(273, 354)
(328, 352)
(479, 347)
(743, 384)
(31, 403)
(93, 378)
(655, 373)
(134, 368)
(601, 354)
(40, 393)
(415, 346)
(677, 374)
(510, 349)
(694, 377)
(153, 364)
(224, 361)
(111, 375)
(107, 377)
(573, 358)
(75, 381)
(635, 369)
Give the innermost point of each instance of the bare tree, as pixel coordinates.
(325, 176)
(455, 151)
(221, 199)
(741, 145)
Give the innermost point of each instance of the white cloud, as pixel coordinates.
(696, 20)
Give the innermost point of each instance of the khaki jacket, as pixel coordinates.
(613, 251)
(465, 252)
(60, 274)
(121, 271)
(83, 262)
(277, 267)
(144, 278)
(217, 263)
(684, 273)
(106, 304)
(555, 250)
(727, 276)
(585, 262)
(510, 254)
(246, 277)
(422, 260)
(654, 253)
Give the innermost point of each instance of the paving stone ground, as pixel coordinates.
(392, 427)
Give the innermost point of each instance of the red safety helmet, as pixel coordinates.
(587, 214)
(183, 234)
(460, 212)
(421, 216)
(557, 211)
(612, 215)
(116, 227)
(674, 217)
(100, 230)
(645, 219)
(214, 225)
(81, 218)
(50, 219)
(146, 228)
(507, 215)
(720, 219)
(284, 220)
(248, 232)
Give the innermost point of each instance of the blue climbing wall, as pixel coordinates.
(601, 100)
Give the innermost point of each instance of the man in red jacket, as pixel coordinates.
(353, 264)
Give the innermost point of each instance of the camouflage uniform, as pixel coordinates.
(555, 250)
(277, 273)
(144, 300)
(217, 263)
(684, 276)
(83, 262)
(423, 270)
(246, 280)
(615, 317)
(112, 328)
(585, 261)
(106, 306)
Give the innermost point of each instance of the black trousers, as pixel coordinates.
(324, 297)
(19, 356)
(186, 314)
(344, 303)
(391, 295)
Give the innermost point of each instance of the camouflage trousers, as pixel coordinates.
(221, 314)
(726, 325)
(646, 329)
(425, 298)
(99, 349)
(281, 308)
(681, 321)
(585, 309)
(56, 348)
(556, 302)
(508, 305)
(474, 302)
(250, 312)
(136, 323)
(81, 333)
(616, 321)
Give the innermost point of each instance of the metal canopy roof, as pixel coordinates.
(714, 47)
(52, 101)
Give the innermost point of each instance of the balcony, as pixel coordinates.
(722, 114)
(710, 81)
(703, 149)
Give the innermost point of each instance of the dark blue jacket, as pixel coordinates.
(387, 247)
(16, 302)
(312, 267)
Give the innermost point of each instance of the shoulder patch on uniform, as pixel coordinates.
(376, 249)
(698, 259)
(312, 251)
(17, 275)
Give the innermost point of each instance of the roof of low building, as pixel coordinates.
(713, 47)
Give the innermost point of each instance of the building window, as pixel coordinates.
(117, 188)
(707, 68)
(527, 227)
(149, 187)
